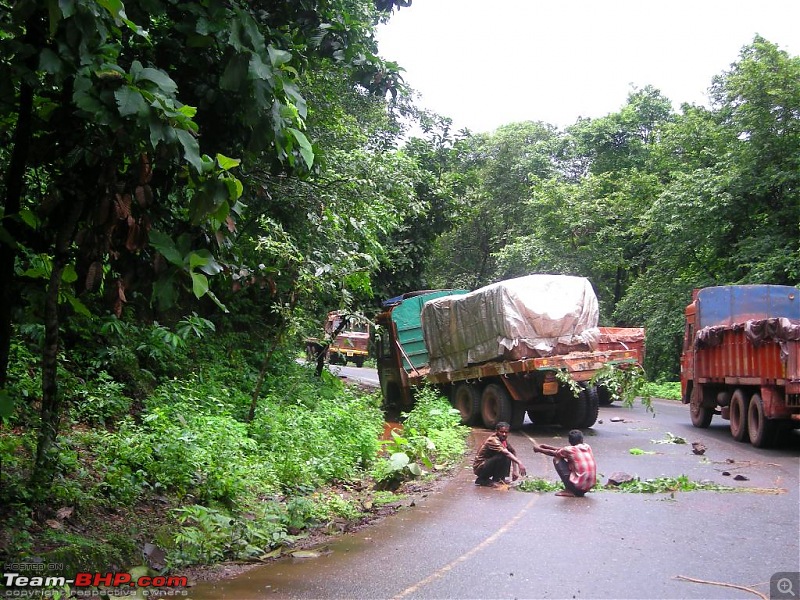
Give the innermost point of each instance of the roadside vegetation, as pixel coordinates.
(181, 467)
(188, 188)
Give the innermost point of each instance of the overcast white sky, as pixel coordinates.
(486, 63)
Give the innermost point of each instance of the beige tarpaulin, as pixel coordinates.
(536, 315)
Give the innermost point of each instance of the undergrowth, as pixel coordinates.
(170, 458)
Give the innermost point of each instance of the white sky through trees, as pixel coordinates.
(486, 63)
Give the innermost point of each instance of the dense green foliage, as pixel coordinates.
(188, 187)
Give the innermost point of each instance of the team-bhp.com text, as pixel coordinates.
(122, 582)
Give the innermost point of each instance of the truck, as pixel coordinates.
(347, 339)
(518, 347)
(741, 360)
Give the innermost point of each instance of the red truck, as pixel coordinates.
(741, 359)
(497, 352)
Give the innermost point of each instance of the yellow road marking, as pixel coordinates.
(467, 555)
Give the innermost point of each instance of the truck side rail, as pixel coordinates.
(580, 365)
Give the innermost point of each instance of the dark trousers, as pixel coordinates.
(562, 468)
(498, 467)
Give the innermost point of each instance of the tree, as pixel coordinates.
(123, 147)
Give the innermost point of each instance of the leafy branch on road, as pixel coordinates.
(658, 485)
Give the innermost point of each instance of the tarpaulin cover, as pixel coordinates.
(758, 331)
(532, 316)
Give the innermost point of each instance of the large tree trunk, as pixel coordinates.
(44, 467)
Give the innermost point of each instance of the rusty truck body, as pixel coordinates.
(496, 352)
(741, 359)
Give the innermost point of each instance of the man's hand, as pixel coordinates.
(522, 470)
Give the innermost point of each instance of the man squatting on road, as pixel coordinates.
(575, 464)
(496, 457)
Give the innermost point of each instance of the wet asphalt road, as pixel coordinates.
(466, 541)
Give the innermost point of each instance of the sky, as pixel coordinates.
(486, 63)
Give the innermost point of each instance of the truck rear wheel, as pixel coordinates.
(739, 405)
(495, 405)
(572, 411)
(604, 395)
(761, 429)
(467, 399)
(591, 402)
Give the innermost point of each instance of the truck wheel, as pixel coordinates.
(761, 429)
(542, 417)
(739, 403)
(701, 415)
(495, 405)
(604, 395)
(359, 360)
(571, 410)
(591, 402)
(467, 399)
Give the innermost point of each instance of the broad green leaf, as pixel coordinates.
(199, 284)
(226, 164)
(164, 244)
(69, 275)
(415, 469)
(29, 218)
(235, 188)
(398, 460)
(259, 70)
(78, 306)
(278, 57)
(305, 146)
(129, 101)
(191, 149)
(161, 79)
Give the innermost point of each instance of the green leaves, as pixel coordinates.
(186, 261)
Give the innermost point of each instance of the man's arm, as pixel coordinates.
(515, 462)
(545, 449)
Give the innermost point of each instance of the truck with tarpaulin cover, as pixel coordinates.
(497, 352)
(741, 359)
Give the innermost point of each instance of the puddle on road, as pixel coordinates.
(283, 577)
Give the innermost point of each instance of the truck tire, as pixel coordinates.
(495, 405)
(467, 399)
(739, 405)
(604, 395)
(762, 430)
(701, 415)
(359, 360)
(542, 417)
(571, 410)
(591, 402)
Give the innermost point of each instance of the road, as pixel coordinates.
(471, 542)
